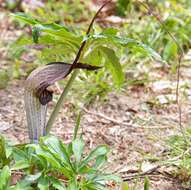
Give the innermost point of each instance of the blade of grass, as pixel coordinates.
(77, 125)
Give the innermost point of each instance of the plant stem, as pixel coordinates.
(74, 74)
(60, 101)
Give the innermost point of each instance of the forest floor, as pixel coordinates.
(135, 129)
(135, 124)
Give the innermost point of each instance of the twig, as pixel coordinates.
(107, 118)
(146, 6)
(140, 174)
(120, 122)
(72, 78)
(151, 176)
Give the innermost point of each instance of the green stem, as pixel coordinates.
(60, 101)
(77, 126)
(72, 78)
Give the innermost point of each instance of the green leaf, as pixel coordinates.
(55, 154)
(78, 148)
(100, 161)
(110, 31)
(43, 183)
(69, 149)
(72, 185)
(24, 18)
(131, 43)
(48, 157)
(20, 154)
(146, 183)
(56, 183)
(94, 57)
(62, 34)
(122, 6)
(170, 50)
(53, 29)
(87, 170)
(21, 164)
(54, 161)
(33, 178)
(29, 20)
(53, 26)
(105, 39)
(5, 152)
(98, 151)
(5, 177)
(114, 66)
(8, 150)
(56, 147)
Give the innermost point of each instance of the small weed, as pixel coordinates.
(54, 165)
(180, 156)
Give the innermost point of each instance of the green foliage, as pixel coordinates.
(113, 64)
(122, 6)
(170, 50)
(5, 177)
(180, 157)
(99, 49)
(46, 164)
(59, 32)
(146, 183)
(143, 29)
(51, 164)
(6, 152)
(61, 42)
